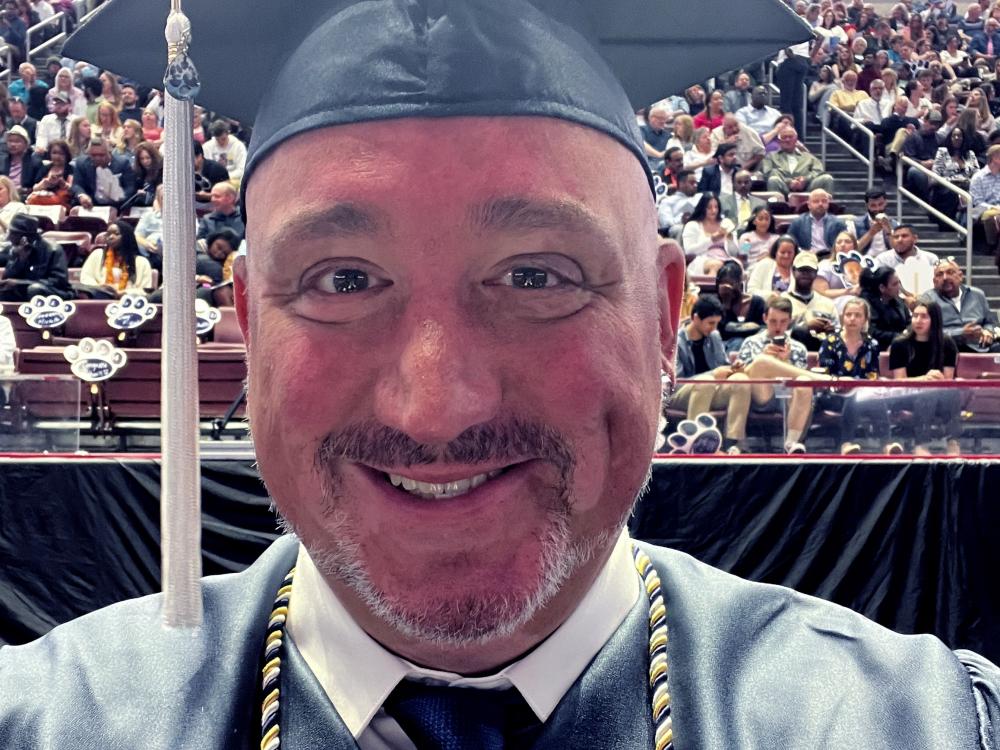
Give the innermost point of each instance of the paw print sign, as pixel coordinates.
(47, 312)
(699, 435)
(93, 361)
(205, 316)
(130, 312)
(849, 266)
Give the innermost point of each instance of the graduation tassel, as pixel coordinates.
(180, 503)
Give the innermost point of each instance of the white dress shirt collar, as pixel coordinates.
(357, 673)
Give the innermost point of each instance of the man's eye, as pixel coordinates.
(344, 281)
(530, 278)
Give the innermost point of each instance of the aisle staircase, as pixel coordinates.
(851, 182)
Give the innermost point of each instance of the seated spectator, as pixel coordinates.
(972, 22)
(773, 275)
(825, 82)
(718, 178)
(130, 140)
(10, 203)
(813, 315)
(839, 277)
(956, 58)
(740, 95)
(19, 162)
(701, 154)
(851, 353)
(871, 71)
(35, 266)
(206, 174)
(849, 96)
(904, 248)
(749, 147)
(214, 271)
(101, 179)
(682, 134)
(55, 125)
(708, 236)
(922, 147)
(770, 138)
(227, 150)
(757, 115)
(740, 204)
(917, 103)
(874, 228)
(701, 356)
(985, 46)
(118, 269)
(19, 116)
(149, 231)
(816, 229)
(889, 314)
(742, 313)
(654, 137)
(979, 101)
(759, 233)
(965, 312)
(8, 347)
(13, 29)
(985, 190)
(958, 164)
(151, 130)
(711, 116)
(675, 209)
(56, 187)
(772, 353)
(895, 128)
(788, 170)
(64, 83)
(673, 165)
(108, 125)
(21, 88)
(225, 212)
(877, 107)
(79, 136)
(695, 96)
(130, 109)
(923, 352)
(148, 167)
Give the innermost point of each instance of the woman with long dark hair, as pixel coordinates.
(148, 167)
(924, 353)
(743, 314)
(117, 269)
(709, 236)
(758, 236)
(890, 316)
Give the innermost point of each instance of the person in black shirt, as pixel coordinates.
(924, 353)
(890, 316)
(742, 313)
(35, 266)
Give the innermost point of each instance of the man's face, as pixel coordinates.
(706, 326)
(99, 155)
(930, 126)
(787, 140)
(777, 322)
(876, 206)
(728, 159)
(742, 81)
(900, 107)
(819, 203)
(730, 125)
(804, 278)
(689, 185)
(17, 109)
(947, 279)
(16, 145)
(219, 250)
(758, 99)
(129, 96)
(741, 183)
(676, 161)
(903, 240)
(60, 108)
(223, 200)
(657, 119)
(427, 370)
(877, 89)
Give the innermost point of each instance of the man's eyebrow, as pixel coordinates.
(513, 214)
(328, 222)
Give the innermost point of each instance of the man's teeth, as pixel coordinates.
(431, 490)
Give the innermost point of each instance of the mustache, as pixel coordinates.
(509, 441)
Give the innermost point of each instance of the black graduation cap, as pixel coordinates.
(289, 66)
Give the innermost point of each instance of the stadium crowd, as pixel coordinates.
(784, 284)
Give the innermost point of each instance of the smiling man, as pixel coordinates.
(454, 398)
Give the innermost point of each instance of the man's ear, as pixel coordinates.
(241, 297)
(671, 287)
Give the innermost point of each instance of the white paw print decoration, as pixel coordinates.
(94, 360)
(47, 312)
(700, 435)
(206, 316)
(130, 312)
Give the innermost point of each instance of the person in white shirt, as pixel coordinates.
(757, 115)
(919, 264)
(226, 149)
(674, 210)
(870, 112)
(56, 125)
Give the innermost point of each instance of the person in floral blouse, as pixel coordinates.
(850, 353)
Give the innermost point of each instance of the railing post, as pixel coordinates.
(822, 141)
(899, 187)
(969, 223)
(805, 107)
(871, 159)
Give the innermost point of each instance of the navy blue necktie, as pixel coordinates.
(437, 717)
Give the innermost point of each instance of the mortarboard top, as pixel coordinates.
(290, 66)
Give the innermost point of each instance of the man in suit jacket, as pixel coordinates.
(790, 170)
(817, 229)
(739, 205)
(19, 116)
(718, 178)
(101, 178)
(19, 163)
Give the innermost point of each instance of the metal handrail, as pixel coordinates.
(902, 192)
(59, 17)
(772, 89)
(7, 52)
(869, 160)
(87, 16)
